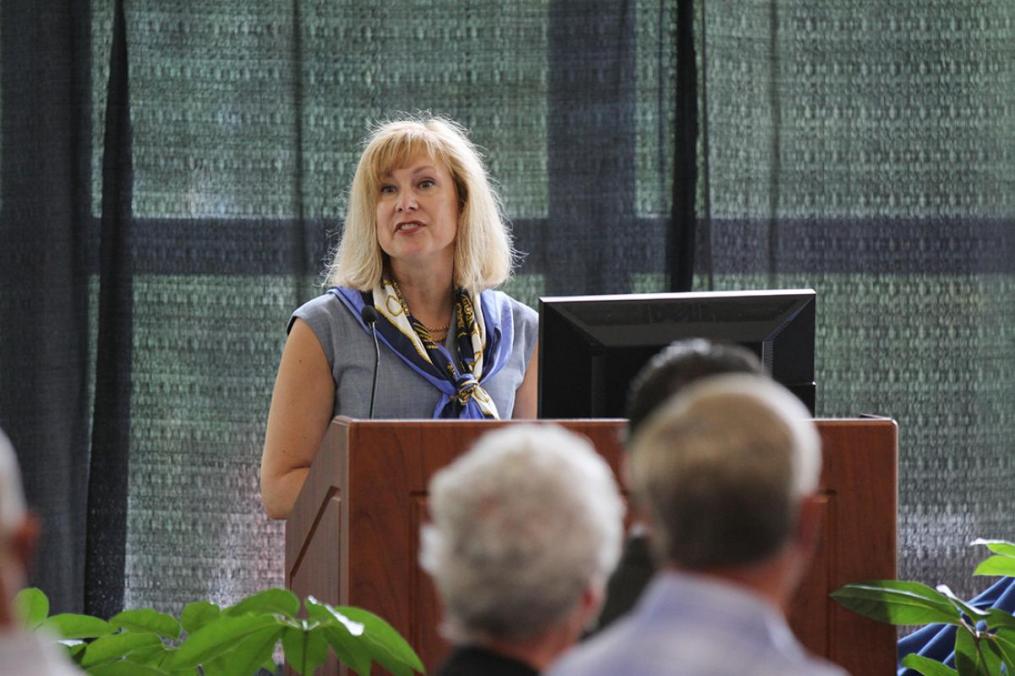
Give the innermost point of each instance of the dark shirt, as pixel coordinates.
(476, 661)
(633, 573)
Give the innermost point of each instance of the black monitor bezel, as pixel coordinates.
(575, 331)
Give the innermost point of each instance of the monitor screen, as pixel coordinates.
(591, 347)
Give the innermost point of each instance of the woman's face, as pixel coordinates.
(417, 213)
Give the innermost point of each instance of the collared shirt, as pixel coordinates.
(34, 653)
(693, 625)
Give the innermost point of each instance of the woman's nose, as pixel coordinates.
(407, 201)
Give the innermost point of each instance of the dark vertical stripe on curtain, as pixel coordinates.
(45, 238)
(775, 171)
(590, 145)
(299, 246)
(703, 262)
(680, 237)
(108, 480)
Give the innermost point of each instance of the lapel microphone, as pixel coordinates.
(369, 316)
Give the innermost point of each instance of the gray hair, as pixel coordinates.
(522, 525)
(722, 468)
(12, 498)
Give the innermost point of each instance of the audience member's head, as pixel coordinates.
(18, 531)
(525, 529)
(677, 366)
(723, 470)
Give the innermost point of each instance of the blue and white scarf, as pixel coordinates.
(482, 341)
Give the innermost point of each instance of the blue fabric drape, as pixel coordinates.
(937, 641)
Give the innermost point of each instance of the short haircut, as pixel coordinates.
(12, 498)
(522, 525)
(721, 468)
(678, 365)
(483, 251)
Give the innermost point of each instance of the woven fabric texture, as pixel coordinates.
(861, 148)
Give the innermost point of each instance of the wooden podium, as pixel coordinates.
(353, 535)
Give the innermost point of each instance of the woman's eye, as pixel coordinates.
(387, 189)
(427, 183)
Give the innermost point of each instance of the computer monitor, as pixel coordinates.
(590, 347)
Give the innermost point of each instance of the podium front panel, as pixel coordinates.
(353, 537)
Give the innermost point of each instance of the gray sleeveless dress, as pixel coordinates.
(401, 393)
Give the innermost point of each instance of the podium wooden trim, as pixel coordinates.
(352, 537)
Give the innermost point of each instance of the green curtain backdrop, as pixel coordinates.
(861, 148)
(867, 150)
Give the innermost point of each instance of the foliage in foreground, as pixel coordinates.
(233, 641)
(984, 640)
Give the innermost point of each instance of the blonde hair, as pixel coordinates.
(483, 252)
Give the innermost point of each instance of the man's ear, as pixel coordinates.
(636, 512)
(24, 539)
(590, 603)
(625, 469)
(809, 520)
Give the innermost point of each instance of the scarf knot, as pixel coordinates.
(481, 345)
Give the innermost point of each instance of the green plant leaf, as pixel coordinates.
(991, 652)
(388, 646)
(305, 650)
(152, 656)
(164, 665)
(216, 667)
(970, 611)
(322, 612)
(1004, 639)
(117, 646)
(350, 650)
(253, 652)
(197, 614)
(996, 565)
(343, 635)
(218, 637)
(926, 666)
(32, 606)
(997, 618)
(76, 651)
(72, 625)
(281, 601)
(1002, 547)
(970, 658)
(965, 653)
(146, 619)
(897, 602)
(123, 668)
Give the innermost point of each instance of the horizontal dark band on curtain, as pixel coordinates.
(902, 246)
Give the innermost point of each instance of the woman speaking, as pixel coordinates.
(423, 247)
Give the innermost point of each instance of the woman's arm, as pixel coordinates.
(301, 408)
(528, 392)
